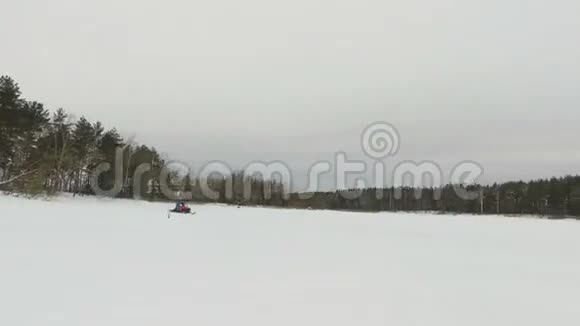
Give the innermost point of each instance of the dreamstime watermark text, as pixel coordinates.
(379, 142)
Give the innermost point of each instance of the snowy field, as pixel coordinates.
(115, 262)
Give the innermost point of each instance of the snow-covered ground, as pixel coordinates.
(89, 262)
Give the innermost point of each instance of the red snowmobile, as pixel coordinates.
(181, 208)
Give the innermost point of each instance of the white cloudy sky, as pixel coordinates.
(495, 81)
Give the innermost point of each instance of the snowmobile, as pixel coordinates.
(180, 208)
(183, 210)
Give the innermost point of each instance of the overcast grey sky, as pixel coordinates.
(495, 81)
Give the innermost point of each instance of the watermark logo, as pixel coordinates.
(216, 180)
(380, 140)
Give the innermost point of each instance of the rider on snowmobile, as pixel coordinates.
(180, 207)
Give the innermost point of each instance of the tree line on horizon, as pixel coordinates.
(546, 197)
(45, 153)
(42, 152)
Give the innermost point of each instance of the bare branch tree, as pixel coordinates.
(17, 177)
